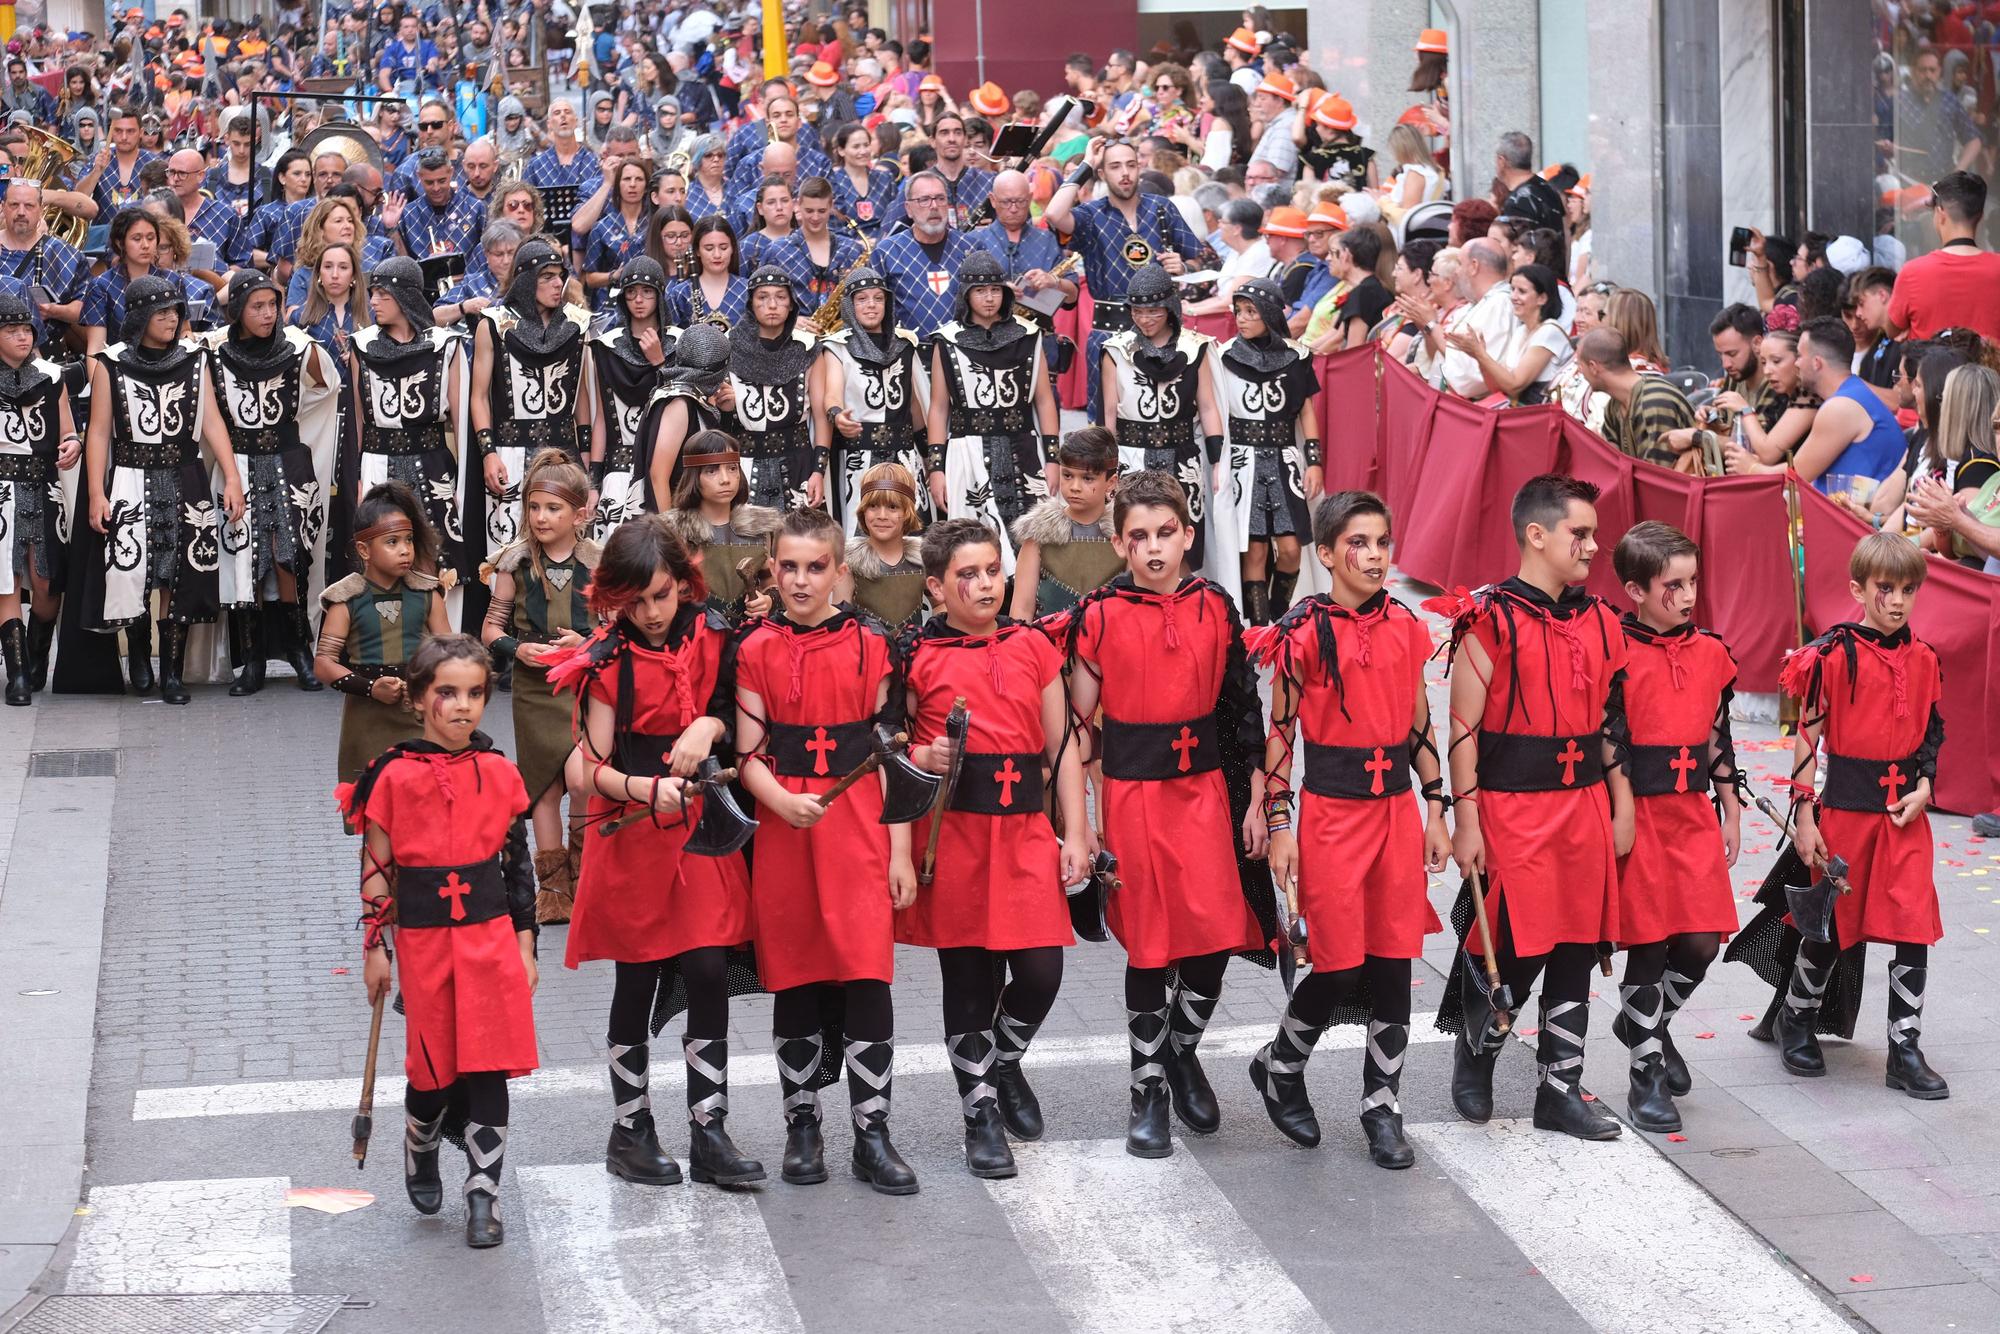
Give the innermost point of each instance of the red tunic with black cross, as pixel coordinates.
(462, 888)
(641, 898)
(1676, 878)
(1171, 673)
(1544, 813)
(1876, 697)
(1358, 674)
(999, 871)
(820, 896)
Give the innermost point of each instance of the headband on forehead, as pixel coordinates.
(395, 522)
(729, 455)
(889, 486)
(562, 491)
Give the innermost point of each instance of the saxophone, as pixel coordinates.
(828, 319)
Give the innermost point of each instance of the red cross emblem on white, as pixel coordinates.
(939, 281)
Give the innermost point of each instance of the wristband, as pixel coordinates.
(933, 458)
(1212, 445)
(1083, 175)
(1434, 791)
(488, 446)
(505, 646)
(1315, 457)
(1278, 826)
(598, 467)
(1050, 443)
(72, 435)
(352, 684)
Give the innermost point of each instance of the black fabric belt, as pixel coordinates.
(818, 752)
(1110, 316)
(1153, 435)
(1003, 421)
(1509, 762)
(31, 468)
(1658, 771)
(534, 435)
(645, 754)
(450, 895)
(775, 442)
(1149, 752)
(1262, 434)
(1359, 773)
(1868, 785)
(371, 672)
(1003, 784)
(270, 440)
(156, 454)
(403, 443)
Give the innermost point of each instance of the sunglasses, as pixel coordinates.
(430, 125)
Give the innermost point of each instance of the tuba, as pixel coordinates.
(43, 160)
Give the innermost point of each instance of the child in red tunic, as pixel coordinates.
(1350, 668)
(1164, 657)
(654, 688)
(811, 682)
(446, 875)
(998, 893)
(1675, 904)
(1870, 689)
(1536, 666)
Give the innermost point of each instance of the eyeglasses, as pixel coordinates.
(924, 199)
(430, 125)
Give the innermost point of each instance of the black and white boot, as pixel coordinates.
(1019, 1107)
(14, 649)
(634, 1153)
(1641, 1019)
(1559, 1103)
(1279, 1072)
(1381, 1081)
(972, 1061)
(798, 1073)
(1798, 1044)
(485, 1147)
(1908, 1070)
(1477, 1050)
(1675, 991)
(1194, 1100)
(712, 1156)
(1148, 1135)
(870, 1076)
(420, 1162)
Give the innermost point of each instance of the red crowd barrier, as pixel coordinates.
(1449, 469)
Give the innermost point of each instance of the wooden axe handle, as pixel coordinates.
(364, 1113)
(640, 810)
(1501, 1019)
(859, 772)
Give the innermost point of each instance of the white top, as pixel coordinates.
(1492, 318)
(1252, 262)
(1548, 334)
(1216, 148)
(1247, 79)
(1433, 183)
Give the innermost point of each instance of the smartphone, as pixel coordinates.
(1739, 246)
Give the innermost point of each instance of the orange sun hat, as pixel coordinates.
(989, 99)
(1334, 112)
(1433, 41)
(1245, 41)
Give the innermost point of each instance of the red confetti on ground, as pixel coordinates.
(1590, 1097)
(1704, 1035)
(1416, 981)
(339, 972)
(1746, 1017)
(1860, 1278)
(1952, 862)
(1527, 1032)
(1678, 1139)
(1534, 1271)
(1593, 995)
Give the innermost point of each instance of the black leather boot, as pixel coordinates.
(1194, 1099)
(805, 1150)
(420, 1163)
(713, 1158)
(294, 620)
(987, 1154)
(1766, 1028)
(1675, 989)
(173, 654)
(1278, 1071)
(139, 655)
(1282, 584)
(1648, 1103)
(41, 634)
(798, 1069)
(1476, 1051)
(1256, 602)
(1019, 1107)
(485, 1147)
(1908, 1070)
(482, 1220)
(247, 640)
(1559, 1103)
(634, 1153)
(14, 651)
(972, 1059)
(1381, 1080)
(1798, 1044)
(870, 1077)
(1148, 1134)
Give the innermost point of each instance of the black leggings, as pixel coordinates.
(971, 985)
(1387, 980)
(1564, 970)
(1146, 988)
(795, 1011)
(703, 973)
(1823, 954)
(1688, 954)
(485, 1098)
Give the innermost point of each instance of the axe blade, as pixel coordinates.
(723, 827)
(1811, 909)
(910, 792)
(1087, 900)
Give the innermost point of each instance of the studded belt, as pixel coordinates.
(151, 454)
(1262, 434)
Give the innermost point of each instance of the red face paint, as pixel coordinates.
(965, 586)
(1353, 557)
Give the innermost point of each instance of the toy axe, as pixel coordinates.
(957, 724)
(1499, 994)
(908, 792)
(1087, 901)
(724, 826)
(1810, 906)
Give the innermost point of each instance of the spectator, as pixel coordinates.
(1958, 454)
(1854, 436)
(1959, 282)
(1271, 106)
(1932, 126)
(1246, 256)
(1774, 421)
(1524, 194)
(1877, 356)
(1418, 179)
(1536, 295)
(1471, 219)
(1360, 301)
(1631, 314)
(1820, 295)
(1412, 276)
(1646, 413)
(1488, 315)
(1228, 114)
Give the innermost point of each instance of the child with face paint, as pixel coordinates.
(1063, 547)
(1181, 738)
(812, 680)
(885, 563)
(372, 622)
(1537, 669)
(446, 884)
(1675, 902)
(1869, 690)
(1349, 668)
(998, 896)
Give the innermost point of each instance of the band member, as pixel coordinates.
(997, 901)
(732, 538)
(816, 256)
(1063, 546)
(717, 294)
(685, 405)
(653, 695)
(885, 563)
(1537, 665)
(1163, 656)
(150, 493)
(412, 411)
(374, 620)
(628, 361)
(279, 394)
(1348, 668)
(770, 357)
(1870, 689)
(527, 389)
(870, 389)
(1675, 902)
(993, 420)
(1267, 386)
(38, 443)
(922, 264)
(1160, 397)
(445, 880)
(810, 681)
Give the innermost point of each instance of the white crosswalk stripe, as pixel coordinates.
(1623, 1235)
(277, 1097)
(186, 1237)
(1126, 1246)
(612, 1257)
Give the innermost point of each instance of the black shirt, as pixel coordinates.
(1535, 200)
(1367, 301)
(1878, 363)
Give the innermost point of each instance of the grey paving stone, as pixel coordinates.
(1781, 1181)
(1944, 1307)
(1840, 1249)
